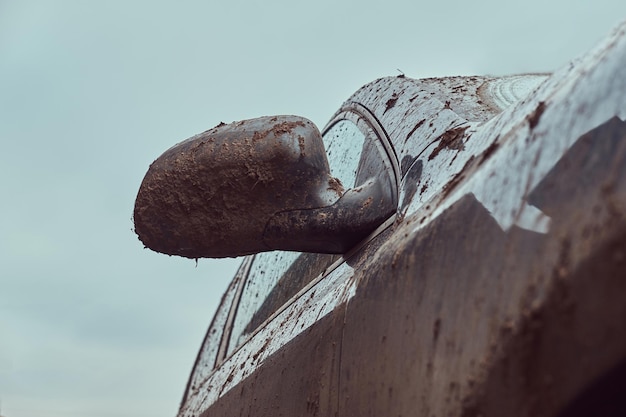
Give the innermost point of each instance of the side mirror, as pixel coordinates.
(253, 186)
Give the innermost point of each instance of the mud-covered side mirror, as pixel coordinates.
(253, 186)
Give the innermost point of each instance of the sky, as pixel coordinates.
(91, 92)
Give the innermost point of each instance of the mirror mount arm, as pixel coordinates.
(335, 228)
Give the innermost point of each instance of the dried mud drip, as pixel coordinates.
(334, 184)
(452, 139)
(211, 195)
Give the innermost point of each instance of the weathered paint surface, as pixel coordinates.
(498, 291)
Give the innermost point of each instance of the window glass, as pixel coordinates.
(266, 270)
(211, 346)
(277, 276)
(343, 143)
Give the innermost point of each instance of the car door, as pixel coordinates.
(274, 346)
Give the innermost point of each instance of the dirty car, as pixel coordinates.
(448, 246)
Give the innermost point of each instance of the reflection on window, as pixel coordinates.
(266, 270)
(343, 143)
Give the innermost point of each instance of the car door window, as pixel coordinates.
(343, 143)
(265, 272)
(275, 277)
(214, 338)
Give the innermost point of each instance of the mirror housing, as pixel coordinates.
(252, 186)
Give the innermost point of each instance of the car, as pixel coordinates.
(448, 246)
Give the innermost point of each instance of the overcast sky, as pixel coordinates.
(91, 92)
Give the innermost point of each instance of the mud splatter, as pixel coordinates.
(452, 139)
(533, 119)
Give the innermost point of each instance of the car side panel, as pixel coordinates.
(471, 320)
(300, 379)
(474, 308)
(507, 298)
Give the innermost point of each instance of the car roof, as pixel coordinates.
(444, 102)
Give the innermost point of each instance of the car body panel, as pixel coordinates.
(299, 378)
(498, 287)
(437, 105)
(486, 316)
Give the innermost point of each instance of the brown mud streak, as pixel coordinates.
(334, 184)
(447, 189)
(490, 150)
(278, 129)
(452, 139)
(417, 126)
(391, 102)
(256, 355)
(458, 177)
(533, 119)
(301, 145)
(285, 127)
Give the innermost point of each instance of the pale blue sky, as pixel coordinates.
(92, 92)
